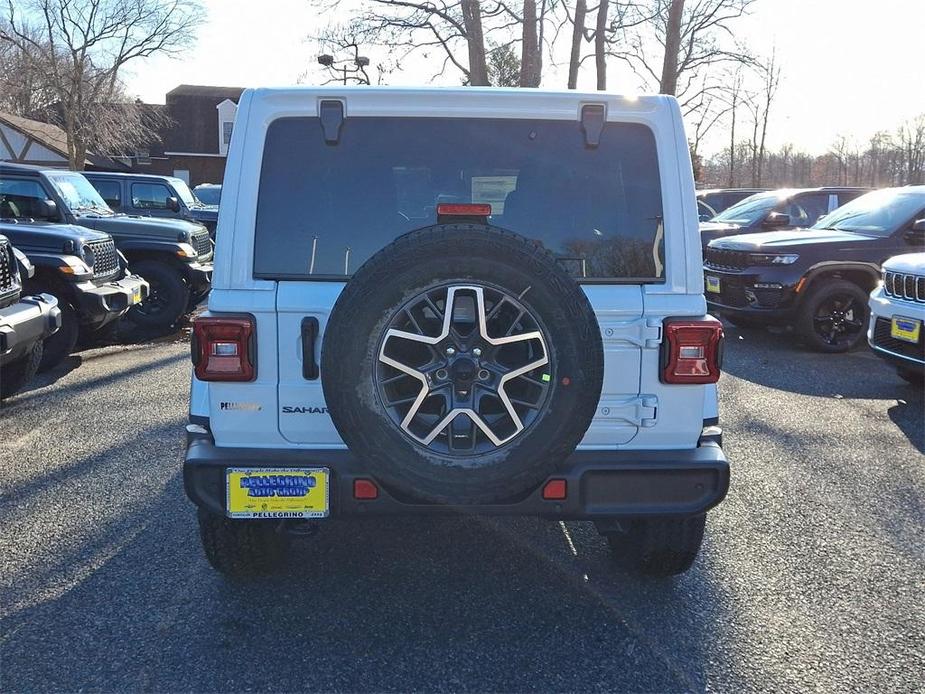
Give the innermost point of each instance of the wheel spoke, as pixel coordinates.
(459, 427)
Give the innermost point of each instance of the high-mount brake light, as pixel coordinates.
(459, 209)
(692, 351)
(224, 348)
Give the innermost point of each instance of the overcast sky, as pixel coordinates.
(849, 67)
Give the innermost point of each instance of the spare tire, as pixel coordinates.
(462, 364)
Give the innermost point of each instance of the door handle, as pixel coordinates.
(309, 336)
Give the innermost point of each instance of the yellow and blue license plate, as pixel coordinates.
(712, 284)
(906, 329)
(136, 295)
(277, 492)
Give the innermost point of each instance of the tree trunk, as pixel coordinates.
(669, 82)
(530, 47)
(732, 140)
(600, 44)
(578, 33)
(478, 66)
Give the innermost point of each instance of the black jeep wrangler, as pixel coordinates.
(153, 196)
(173, 255)
(83, 270)
(25, 321)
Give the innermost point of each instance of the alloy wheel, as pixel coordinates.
(463, 368)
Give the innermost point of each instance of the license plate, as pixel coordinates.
(712, 284)
(136, 295)
(276, 492)
(906, 329)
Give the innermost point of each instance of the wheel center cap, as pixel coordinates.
(463, 371)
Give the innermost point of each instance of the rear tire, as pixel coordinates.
(168, 298)
(242, 547)
(16, 375)
(833, 317)
(658, 546)
(62, 343)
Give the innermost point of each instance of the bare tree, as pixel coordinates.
(578, 35)
(759, 105)
(683, 40)
(80, 46)
(454, 29)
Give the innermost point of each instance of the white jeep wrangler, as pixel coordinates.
(462, 300)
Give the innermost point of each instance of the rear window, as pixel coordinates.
(323, 210)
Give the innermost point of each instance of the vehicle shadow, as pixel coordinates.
(47, 378)
(780, 361)
(450, 603)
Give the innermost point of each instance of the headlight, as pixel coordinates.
(772, 258)
(187, 251)
(87, 254)
(74, 266)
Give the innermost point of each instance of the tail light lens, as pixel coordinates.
(692, 351)
(224, 348)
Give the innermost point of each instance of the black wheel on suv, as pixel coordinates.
(462, 363)
(17, 374)
(657, 546)
(833, 317)
(59, 346)
(167, 298)
(242, 547)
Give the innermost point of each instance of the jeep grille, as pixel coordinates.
(9, 275)
(203, 244)
(105, 260)
(904, 286)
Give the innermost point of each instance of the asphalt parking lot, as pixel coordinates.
(812, 576)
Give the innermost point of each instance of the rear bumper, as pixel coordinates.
(601, 484)
(24, 323)
(99, 305)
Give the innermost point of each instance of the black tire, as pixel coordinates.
(744, 321)
(432, 259)
(168, 297)
(240, 548)
(196, 299)
(14, 376)
(62, 343)
(658, 546)
(916, 378)
(833, 316)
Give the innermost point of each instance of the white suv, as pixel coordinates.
(897, 314)
(456, 300)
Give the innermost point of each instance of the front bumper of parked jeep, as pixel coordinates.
(599, 484)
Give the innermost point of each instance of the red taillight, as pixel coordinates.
(692, 351)
(555, 490)
(365, 489)
(453, 209)
(224, 348)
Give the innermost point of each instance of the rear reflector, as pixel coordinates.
(365, 489)
(453, 209)
(692, 351)
(555, 490)
(224, 348)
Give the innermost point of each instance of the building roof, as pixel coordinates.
(51, 136)
(232, 93)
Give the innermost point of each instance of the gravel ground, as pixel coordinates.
(812, 576)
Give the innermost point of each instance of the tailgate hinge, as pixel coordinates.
(642, 332)
(640, 411)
